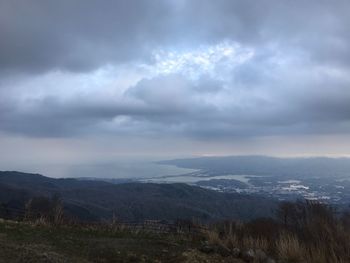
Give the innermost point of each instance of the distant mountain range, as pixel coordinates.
(268, 166)
(97, 200)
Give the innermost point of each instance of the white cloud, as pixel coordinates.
(203, 60)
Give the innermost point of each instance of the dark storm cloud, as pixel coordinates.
(78, 35)
(296, 81)
(82, 35)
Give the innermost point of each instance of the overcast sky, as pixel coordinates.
(85, 82)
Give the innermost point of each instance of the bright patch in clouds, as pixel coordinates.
(215, 61)
(204, 60)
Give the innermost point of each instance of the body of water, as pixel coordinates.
(196, 177)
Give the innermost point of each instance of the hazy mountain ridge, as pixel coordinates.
(265, 165)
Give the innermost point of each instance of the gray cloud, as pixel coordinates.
(296, 82)
(80, 35)
(175, 105)
(83, 35)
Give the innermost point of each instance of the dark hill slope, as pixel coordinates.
(95, 200)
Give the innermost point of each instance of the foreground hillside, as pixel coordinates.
(303, 232)
(95, 200)
(36, 243)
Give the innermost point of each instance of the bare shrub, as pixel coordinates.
(43, 208)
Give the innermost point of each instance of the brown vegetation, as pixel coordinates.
(45, 210)
(304, 231)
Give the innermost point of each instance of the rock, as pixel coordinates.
(260, 255)
(236, 252)
(270, 260)
(248, 255)
(223, 251)
(207, 249)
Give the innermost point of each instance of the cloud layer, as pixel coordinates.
(195, 69)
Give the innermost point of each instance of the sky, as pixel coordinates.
(93, 82)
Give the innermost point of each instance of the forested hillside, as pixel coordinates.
(95, 201)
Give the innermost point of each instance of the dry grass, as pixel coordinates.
(289, 248)
(255, 243)
(310, 232)
(231, 241)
